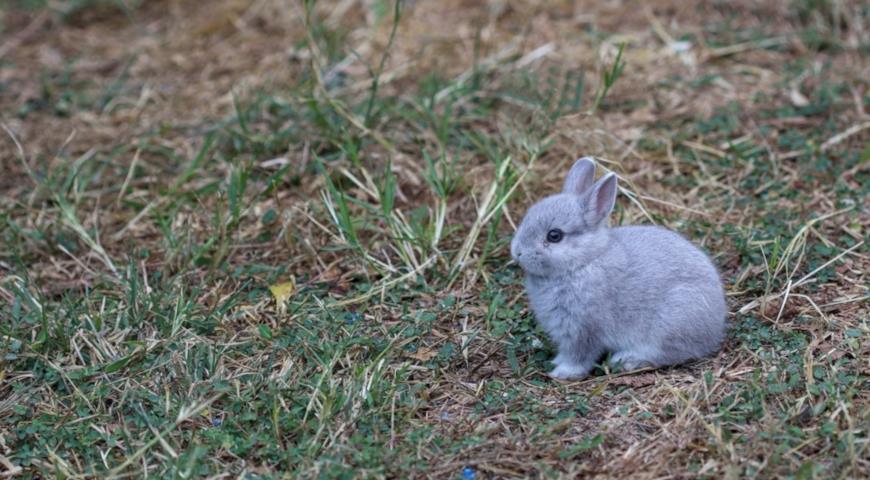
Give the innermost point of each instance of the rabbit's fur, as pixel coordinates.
(643, 293)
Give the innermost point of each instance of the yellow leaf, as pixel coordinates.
(283, 291)
(598, 390)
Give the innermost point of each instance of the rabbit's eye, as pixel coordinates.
(554, 235)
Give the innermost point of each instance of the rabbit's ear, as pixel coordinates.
(602, 198)
(580, 177)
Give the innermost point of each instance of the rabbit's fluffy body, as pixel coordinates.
(642, 293)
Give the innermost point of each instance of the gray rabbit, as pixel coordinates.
(643, 293)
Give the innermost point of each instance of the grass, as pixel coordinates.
(269, 241)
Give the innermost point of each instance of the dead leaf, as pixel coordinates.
(797, 98)
(423, 354)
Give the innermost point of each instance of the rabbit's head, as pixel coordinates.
(567, 230)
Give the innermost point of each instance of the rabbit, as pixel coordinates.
(644, 294)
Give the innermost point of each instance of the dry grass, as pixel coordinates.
(165, 164)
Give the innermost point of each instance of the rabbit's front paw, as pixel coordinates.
(567, 371)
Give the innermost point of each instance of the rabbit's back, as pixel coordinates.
(662, 257)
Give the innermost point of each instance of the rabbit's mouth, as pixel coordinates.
(531, 264)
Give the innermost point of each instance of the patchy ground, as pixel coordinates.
(263, 238)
